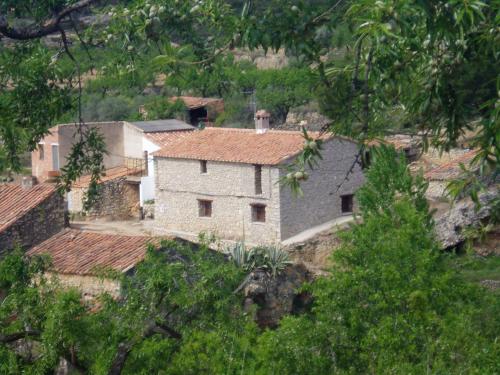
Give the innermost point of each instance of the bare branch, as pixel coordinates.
(11, 337)
(48, 27)
(327, 12)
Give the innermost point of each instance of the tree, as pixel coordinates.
(279, 90)
(177, 294)
(391, 305)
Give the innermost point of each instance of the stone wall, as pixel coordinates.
(321, 201)
(119, 199)
(230, 187)
(36, 225)
(90, 286)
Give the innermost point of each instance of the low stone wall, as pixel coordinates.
(90, 286)
(36, 225)
(148, 210)
(119, 199)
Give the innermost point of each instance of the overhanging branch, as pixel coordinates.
(36, 31)
(11, 337)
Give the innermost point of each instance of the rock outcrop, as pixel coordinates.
(272, 298)
(451, 224)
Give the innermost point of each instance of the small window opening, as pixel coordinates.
(41, 151)
(55, 157)
(204, 208)
(203, 166)
(347, 203)
(258, 179)
(366, 160)
(258, 213)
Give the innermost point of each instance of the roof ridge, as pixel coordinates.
(252, 131)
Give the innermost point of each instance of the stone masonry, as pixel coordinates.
(321, 201)
(229, 186)
(36, 225)
(119, 199)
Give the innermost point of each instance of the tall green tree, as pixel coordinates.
(391, 304)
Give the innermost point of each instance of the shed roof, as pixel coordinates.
(162, 125)
(193, 102)
(451, 169)
(81, 253)
(109, 174)
(238, 146)
(16, 201)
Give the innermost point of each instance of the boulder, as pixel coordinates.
(272, 298)
(450, 225)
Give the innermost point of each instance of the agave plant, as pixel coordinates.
(276, 259)
(239, 255)
(271, 258)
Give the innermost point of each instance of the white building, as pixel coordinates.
(129, 147)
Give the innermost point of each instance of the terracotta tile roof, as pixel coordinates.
(163, 139)
(400, 142)
(80, 253)
(237, 146)
(193, 102)
(15, 201)
(450, 169)
(109, 174)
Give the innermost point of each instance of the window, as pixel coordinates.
(55, 157)
(258, 179)
(204, 208)
(41, 151)
(258, 213)
(366, 160)
(347, 203)
(203, 166)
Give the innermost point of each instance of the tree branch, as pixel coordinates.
(36, 31)
(5, 339)
(125, 348)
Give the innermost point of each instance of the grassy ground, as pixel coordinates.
(481, 260)
(477, 268)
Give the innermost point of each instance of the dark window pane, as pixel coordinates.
(259, 213)
(204, 208)
(258, 179)
(347, 203)
(203, 166)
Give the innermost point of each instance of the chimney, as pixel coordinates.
(28, 182)
(262, 121)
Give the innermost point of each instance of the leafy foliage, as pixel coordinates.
(391, 303)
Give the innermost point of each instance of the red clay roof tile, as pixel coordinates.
(80, 253)
(109, 174)
(452, 168)
(15, 201)
(238, 146)
(163, 139)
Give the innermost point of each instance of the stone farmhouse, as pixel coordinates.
(78, 257)
(29, 214)
(129, 174)
(227, 182)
